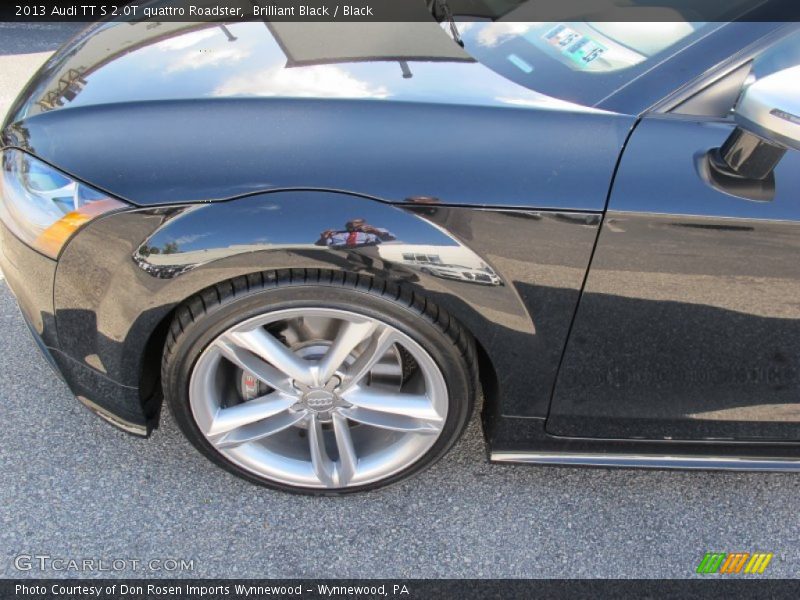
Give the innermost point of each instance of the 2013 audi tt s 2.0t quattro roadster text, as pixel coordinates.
(317, 241)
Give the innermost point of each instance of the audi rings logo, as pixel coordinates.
(319, 400)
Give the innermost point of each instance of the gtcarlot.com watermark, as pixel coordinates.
(46, 562)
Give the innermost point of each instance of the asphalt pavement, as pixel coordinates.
(72, 487)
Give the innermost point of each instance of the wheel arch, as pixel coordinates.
(154, 347)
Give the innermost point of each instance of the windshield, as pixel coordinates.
(581, 62)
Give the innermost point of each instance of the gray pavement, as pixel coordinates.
(72, 487)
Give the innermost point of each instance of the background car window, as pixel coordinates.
(579, 62)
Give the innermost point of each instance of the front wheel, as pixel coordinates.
(320, 383)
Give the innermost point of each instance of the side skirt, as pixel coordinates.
(646, 461)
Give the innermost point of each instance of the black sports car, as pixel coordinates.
(317, 241)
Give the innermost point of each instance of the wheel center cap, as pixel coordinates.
(319, 400)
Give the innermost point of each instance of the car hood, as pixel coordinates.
(159, 113)
(138, 62)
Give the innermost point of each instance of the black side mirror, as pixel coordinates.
(768, 123)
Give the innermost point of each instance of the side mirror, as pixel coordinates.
(767, 116)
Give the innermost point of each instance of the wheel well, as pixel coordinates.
(488, 383)
(151, 394)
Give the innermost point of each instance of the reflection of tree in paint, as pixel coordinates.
(145, 250)
(169, 248)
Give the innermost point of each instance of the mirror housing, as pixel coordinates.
(767, 116)
(770, 108)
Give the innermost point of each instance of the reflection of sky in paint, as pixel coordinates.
(307, 82)
(492, 34)
(203, 63)
(262, 220)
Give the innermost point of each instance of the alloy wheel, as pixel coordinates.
(318, 397)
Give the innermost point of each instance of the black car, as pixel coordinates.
(255, 221)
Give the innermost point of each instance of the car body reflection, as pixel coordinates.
(448, 262)
(413, 246)
(171, 61)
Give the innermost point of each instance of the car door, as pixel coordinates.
(689, 323)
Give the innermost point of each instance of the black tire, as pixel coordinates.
(200, 319)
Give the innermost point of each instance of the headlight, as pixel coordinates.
(42, 206)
